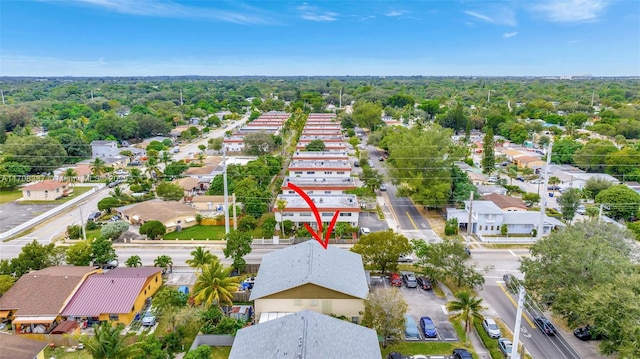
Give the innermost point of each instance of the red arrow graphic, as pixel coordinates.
(316, 213)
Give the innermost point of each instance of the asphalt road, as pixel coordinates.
(190, 149)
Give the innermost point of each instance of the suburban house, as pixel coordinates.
(117, 161)
(487, 219)
(329, 185)
(305, 335)
(485, 189)
(83, 174)
(101, 149)
(31, 313)
(298, 211)
(524, 161)
(115, 296)
(210, 203)
(193, 186)
(18, 347)
(307, 276)
(573, 177)
(506, 203)
(47, 190)
(171, 214)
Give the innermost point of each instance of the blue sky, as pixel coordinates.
(277, 38)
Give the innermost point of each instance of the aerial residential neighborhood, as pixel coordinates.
(192, 239)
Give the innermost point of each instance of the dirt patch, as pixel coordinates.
(435, 218)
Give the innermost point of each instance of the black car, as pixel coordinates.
(459, 353)
(467, 251)
(545, 325)
(585, 333)
(425, 283)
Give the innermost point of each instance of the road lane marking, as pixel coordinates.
(411, 219)
(524, 315)
(513, 254)
(444, 309)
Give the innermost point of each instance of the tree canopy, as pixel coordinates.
(382, 249)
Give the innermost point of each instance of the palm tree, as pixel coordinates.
(135, 176)
(152, 168)
(164, 262)
(214, 286)
(118, 194)
(70, 174)
(469, 307)
(281, 204)
(512, 172)
(134, 261)
(98, 167)
(201, 257)
(554, 182)
(166, 157)
(107, 343)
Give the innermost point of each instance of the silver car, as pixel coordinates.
(491, 328)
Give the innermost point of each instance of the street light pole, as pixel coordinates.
(226, 191)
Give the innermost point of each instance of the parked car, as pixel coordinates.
(585, 333)
(370, 163)
(356, 163)
(148, 320)
(581, 209)
(121, 172)
(395, 279)
(545, 325)
(405, 259)
(491, 328)
(428, 328)
(424, 283)
(365, 230)
(409, 279)
(505, 345)
(467, 251)
(383, 187)
(410, 328)
(460, 353)
(520, 178)
(537, 181)
(94, 216)
(380, 159)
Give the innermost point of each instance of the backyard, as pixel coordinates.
(198, 232)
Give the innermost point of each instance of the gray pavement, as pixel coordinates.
(14, 213)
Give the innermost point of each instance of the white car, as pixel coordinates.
(148, 320)
(492, 329)
(537, 181)
(365, 230)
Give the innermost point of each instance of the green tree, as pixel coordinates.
(6, 282)
(108, 343)
(591, 157)
(431, 107)
(238, 246)
(202, 352)
(215, 143)
(165, 262)
(34, 256)
(102, 251)
(623, 162)
(247, 223)
(569, 202)
(40, 154)
(98, 167)
(107, 204)
(175, 169)
(134, 261)
(151, 348)
(531, 198)
(153, 229)
(570, 262)
(168, 301)
(80, 253)
(199, 258)
(594, 186)
(214, 286)
(447, 259)
(488, 156)
(170, 191)
(563, 151)
(620, 202)
(258, 143)
(382, 249)
(315, 145)
(114, 230)
(281, 204)
(468, 306)
(367, 115)
(384, 311)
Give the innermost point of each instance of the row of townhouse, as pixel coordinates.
(323, 175)
(270, 122)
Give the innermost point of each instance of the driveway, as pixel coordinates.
(371, 220)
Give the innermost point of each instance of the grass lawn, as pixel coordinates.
(60, 353)
(427, 348)
(76, 192)
(198, 232)
(220, 352)
(9, 196)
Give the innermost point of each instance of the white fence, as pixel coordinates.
(49, 213)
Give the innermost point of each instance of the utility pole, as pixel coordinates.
(340, 103)
(226, 190)
(235, 217)
(470, 222)
(543, 198)
(489, 97)
(600, 212)
(84, 231)
(516, 331)
(2, 94)
(181, 103)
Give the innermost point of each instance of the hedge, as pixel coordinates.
(489, 343)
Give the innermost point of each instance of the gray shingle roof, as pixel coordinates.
(333, 268)
(306, 335)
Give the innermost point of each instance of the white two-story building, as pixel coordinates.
(298, 210)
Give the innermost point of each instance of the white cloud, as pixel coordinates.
(569, 11)
(496, 16)
(168, 8)
(312, 13)
(507, 35)
(394, 13)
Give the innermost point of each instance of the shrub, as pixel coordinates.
(247, 223)
(91, 225)
(153, 229)
(504, 229)
(451, 227)
(74, 232)
(489, 343)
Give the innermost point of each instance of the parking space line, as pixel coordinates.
(524, 315)
(411, 219)
(513, 254)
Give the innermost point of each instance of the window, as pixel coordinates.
(178, 221)
(327, 214)
(480, 228)
(327, 192)
(28, 193)
(305, 214)
(342, 214)
(287, 214)
(328, 172)
(297, 302)
(355, 320)
(311, 172)
(114, 317)
(340, 172)
(292, 192)
(298, 172)
(313, 302)
(492, 228)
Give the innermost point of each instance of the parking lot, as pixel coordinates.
(371, 221)
(424, 303)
